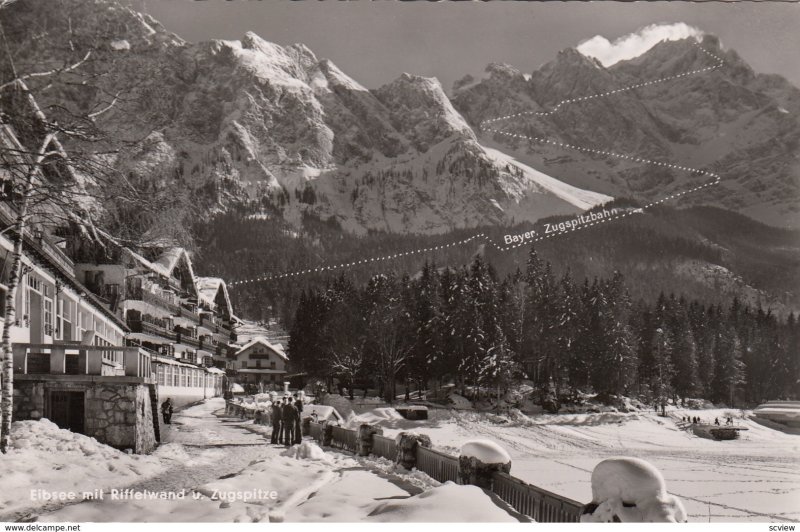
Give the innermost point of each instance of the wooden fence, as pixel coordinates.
(384, 447)
(539, 504)
(437, 465)
(345, 439)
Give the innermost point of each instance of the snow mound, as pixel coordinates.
(486, 451)
(459, 401)
(44, 456)
(120, 45)
(324, 413)
(449, 503)
(306, 451)
(44, 435)
(634, 491)
(376, 416)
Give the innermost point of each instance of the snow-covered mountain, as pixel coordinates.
(249, 120)
(729, 120)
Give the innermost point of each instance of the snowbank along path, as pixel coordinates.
(491, 126)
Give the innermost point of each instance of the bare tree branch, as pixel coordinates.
(47, 72)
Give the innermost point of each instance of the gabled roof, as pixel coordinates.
(263, 341)
(209, 288)
(170, 258)
(166, 263)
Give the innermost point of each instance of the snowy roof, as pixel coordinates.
(171, 258)
(166, 263)
(263, 341)
(208, 289)
(171, 361)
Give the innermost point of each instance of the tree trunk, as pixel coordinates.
(7, 392)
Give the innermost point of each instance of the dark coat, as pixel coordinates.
(277, 412)
(299, 406)
(289, 413)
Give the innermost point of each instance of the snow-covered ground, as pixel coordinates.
(755, 478)
(220, 469)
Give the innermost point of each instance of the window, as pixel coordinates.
(161, 376)
(48, 317)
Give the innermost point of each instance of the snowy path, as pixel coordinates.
(227, 472)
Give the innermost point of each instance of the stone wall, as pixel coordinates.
(116, 412)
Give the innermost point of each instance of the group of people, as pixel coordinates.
(286, 414)
(696, 420)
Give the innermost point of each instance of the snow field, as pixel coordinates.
(755, 478)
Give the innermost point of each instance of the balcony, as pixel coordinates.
(186, 312)
(187, 336)
(155, 326)
(73, 358)
(157, 300)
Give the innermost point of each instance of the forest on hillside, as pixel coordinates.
(713, 254)
(486, 332)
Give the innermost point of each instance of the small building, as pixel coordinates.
(260, 362)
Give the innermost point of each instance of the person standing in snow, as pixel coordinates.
(289, 414)
(298, 430)
(166, 411)
(276, 421)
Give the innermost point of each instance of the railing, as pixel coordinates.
(189, 313)
(144, 326)
(154, 299)
(437, 465)
(345, 439)
(78, 359)
(384, 447)
(541, 505)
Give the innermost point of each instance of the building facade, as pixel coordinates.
(260, 363)
(187, 322)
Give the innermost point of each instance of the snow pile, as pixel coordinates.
(306, 451)
(633, 491)
(46, 457)
(120, 45)
(449, 503)
(342, 405)
(459, 401)
(486, 451)
(324, 413)
(376, 416)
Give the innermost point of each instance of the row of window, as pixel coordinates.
(169, 375)
(257, 365)
(59, 317)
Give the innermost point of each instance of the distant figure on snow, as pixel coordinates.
(166, 411)
(298, 430)
(277, 412)
(716, 421)
(289, 415)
